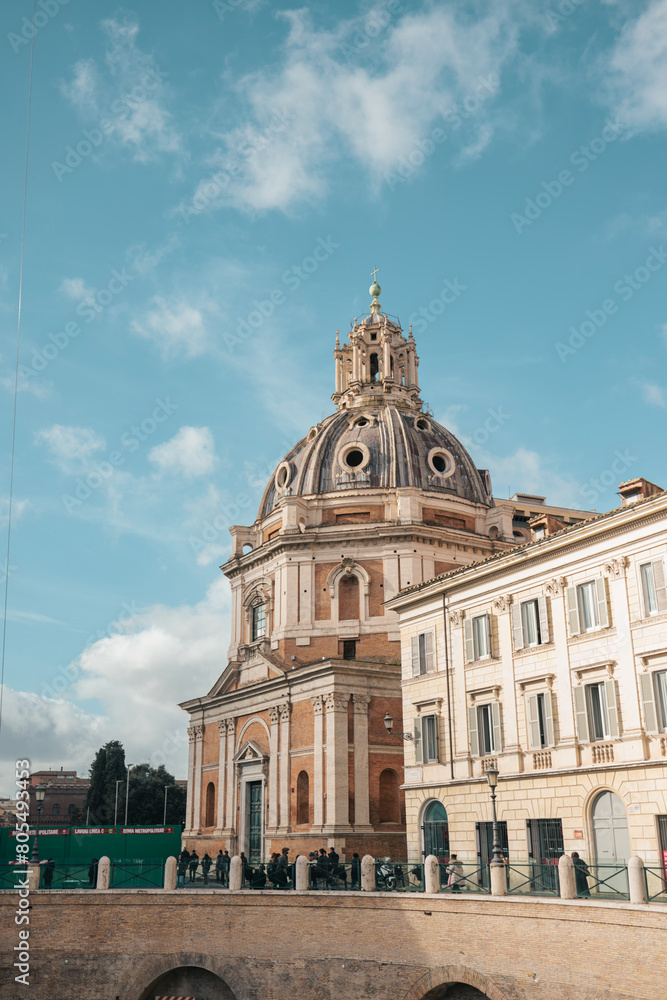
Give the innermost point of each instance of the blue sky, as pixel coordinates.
(209, 188)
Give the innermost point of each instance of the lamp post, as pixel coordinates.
(492, 778)
(115, 812)
(164, 819)
(40, 792)
(389, 726)
(127, 790)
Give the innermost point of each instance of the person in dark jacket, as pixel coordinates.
(92, 873)
(219, 866)
(182, 867)
(259, 878)
(226, 862)
(193, 865)
(49, 869)
(356, 872)
(206, 863)
(581, 874)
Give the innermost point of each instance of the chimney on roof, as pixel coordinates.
(544, 525)
(637, 489)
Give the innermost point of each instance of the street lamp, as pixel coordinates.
(40, 792)
(115, 812)
(389, 725)
(492, 778)
(127, 790)
(164, 820)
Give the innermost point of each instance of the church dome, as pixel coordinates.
(377, 446)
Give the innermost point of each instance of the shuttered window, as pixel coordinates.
(539, 717)
(423, 653)
(484, 729)
(596, 711)
(477, 635)
(530, 623)
(586, 606)
(653, 691)
(654, 589)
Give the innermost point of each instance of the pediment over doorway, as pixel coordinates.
(250, 753)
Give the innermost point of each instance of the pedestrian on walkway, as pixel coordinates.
(454, 873)
(581, 875)
(193, 865)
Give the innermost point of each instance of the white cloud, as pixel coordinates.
(191, 453)
(71, 446)
(77, 290)
(373, 108)
(637, 70)
(175, 326)
(19, 507)
(653, 394)
(155, 659)
(128, 92)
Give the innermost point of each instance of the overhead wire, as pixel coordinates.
(16, 376)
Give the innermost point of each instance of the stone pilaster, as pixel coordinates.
(199, 752)
(230, 809)
(318, 764)
(222, 757)
(337, 812)
(361, 778)
(191, 781)
(284, 768)
(274, 714)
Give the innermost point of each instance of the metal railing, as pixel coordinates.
(267, 876)
(11, 875)
(532, 878)
(68, 876)
(655, 880)
(137, 874)
(469, 876)
(399, 876)
(608, 881)
(323, 875)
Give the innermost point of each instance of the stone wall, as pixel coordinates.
(132, 945)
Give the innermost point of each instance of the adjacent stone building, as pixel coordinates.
(289, 746)
(550, 665)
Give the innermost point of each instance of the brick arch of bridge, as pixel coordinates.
(435, 984)
(147, 971)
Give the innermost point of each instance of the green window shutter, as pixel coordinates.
(430, 652)
(581, 713)
(572, 606)
(612, 707)
(497, 733)
(544, 619)
(533, 720)
(660, 587)
(517, 627)
(419, 753)
(489, 643)
(436, 737)
(415, 656)
(472, 729)
(648, 703)
(549, 718)
(603, 611)
(469, 640)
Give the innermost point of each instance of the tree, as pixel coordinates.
(146, 800)
(107, 768)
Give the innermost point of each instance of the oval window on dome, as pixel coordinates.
(422, 424)
(441, 462)
(283, 475)
(361, 422)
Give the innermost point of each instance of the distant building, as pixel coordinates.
(65, 792)
(549, 664)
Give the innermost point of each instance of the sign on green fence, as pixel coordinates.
(83, 843)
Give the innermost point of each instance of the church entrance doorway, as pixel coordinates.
(254, 810)
(435, 830)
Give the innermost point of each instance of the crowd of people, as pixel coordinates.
(325, 870)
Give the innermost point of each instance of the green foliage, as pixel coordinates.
(146, 795)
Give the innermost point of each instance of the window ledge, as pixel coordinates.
(533, 649)
(593, 634)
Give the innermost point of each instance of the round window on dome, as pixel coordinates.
(354, 457)
(422, 424)
(283, 476)
(441, 462)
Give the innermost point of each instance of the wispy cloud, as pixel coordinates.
(175, 326)
(71, 447)
(653, 394)
(636, 70)
(190, 453)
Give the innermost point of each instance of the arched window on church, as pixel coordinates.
(210, 804)
(71, 807)
(390, 805)
(302, 798)
(56, 809)
(348, 599)
(375, 367)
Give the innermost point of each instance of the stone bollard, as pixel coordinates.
(636, 881)
(33, 877)
(103, 873)
(170, 873)
(235, 874)
(368, 873)
(498, 880)
(431, 874)
(566, 877)
(301, 874)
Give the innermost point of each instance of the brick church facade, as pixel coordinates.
(289, 747)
